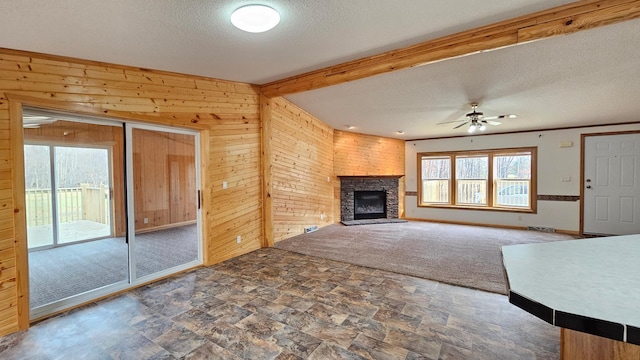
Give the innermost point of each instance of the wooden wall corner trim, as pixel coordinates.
(205, 197)
(19, 214)
(267, 171)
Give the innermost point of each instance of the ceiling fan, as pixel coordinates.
(477, 120)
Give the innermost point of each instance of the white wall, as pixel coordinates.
(554, 163)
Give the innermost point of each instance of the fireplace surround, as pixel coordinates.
(368, 186)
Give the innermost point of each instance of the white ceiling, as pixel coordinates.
(585, 78)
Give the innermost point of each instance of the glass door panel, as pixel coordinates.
(164, 201)
(38, 196)
(82, 188)
(83, 254)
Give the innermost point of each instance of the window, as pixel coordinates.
(498, 179)
(471, 179)
(436, 172)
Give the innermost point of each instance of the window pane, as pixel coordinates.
(476, 167)
(436, 172)
(513, 176)
(514, 166)
(471, 179)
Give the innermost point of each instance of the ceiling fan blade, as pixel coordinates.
(492, 122)
(505, 116)
(449, 122)
(461, 124)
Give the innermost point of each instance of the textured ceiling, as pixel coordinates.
(196, 36)
(584, 78)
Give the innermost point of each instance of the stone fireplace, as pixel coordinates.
(368, 197)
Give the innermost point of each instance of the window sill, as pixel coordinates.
(481, 208)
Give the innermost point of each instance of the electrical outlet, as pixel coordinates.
(145, 220)
(238, 239)
(224, 185)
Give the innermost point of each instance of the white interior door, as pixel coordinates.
(612, 184)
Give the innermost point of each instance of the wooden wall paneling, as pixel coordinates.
(367, 155)
(301, 161)
(205, 198)
(226, 112)
(267, 171)
(19, 217)
(235, 143)
(360, 155)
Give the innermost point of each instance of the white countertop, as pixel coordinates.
(597, 278)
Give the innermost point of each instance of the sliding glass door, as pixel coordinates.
(101, 219)
(74, 197)
(164, 225)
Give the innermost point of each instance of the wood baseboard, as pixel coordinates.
(568, 232)
(468, 223)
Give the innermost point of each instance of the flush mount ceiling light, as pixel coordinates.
(255, 18)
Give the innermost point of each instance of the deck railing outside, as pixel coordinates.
(74, 204)
(508, 192)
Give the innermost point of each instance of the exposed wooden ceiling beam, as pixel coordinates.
(560, 20)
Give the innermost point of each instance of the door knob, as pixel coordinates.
(588, 180)
(588, 186)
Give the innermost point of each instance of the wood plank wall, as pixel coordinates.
(366, 155)
(226, 113)
(301, 170)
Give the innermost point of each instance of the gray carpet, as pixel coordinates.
(462, 255)
(58, 273)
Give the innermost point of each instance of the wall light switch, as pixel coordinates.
(224, 184)
(566, 179)
(238, 239)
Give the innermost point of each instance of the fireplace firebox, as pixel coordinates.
(369, 205)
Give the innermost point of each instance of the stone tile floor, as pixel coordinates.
(273, 304)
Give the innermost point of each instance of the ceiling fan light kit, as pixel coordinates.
(477, 120)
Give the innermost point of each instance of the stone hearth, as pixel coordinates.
(350, 184)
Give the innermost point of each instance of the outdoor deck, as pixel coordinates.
(42, 235)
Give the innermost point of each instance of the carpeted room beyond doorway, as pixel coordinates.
(461, 255)
(58, 273)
